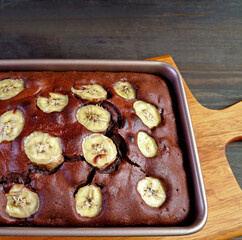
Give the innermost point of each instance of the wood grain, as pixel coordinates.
(214, 129)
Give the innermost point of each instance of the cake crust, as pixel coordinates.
(121, 202)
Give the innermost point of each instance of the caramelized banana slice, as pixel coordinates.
(147, 145)
(148, 113)
(10, 88)
(21, 202)
(11, 125)
(43, 150)
(125, 90)
(94, 118)
(88, 201)
(55, 103)
(93, 93)
(99, 150)
(151, 191)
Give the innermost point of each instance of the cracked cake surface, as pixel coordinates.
(72, 138)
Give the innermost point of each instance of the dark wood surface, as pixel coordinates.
(203, 37)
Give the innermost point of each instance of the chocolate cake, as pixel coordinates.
(89, 149)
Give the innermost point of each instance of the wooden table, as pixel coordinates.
(204, 38)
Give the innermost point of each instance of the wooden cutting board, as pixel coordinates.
(214, 130)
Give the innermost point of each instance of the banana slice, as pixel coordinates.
(125, 90)
(11, 125)
(151, 191)
(9, 88)
(94, 118)
(43, 150)
(21, 202)
(99, 150)
(148, 113)
(93, 93)
(55, 103)
(88, 201)
(147, 145)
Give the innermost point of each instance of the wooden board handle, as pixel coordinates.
(232, 117)
(214, 130)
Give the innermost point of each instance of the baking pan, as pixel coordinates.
(198, 209)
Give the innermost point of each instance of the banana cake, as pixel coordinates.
(89, 149)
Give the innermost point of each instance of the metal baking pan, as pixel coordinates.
(198, 211)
